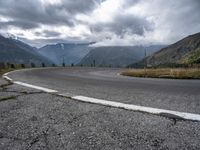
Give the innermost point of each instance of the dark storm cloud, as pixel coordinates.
(19, 23)
(42, 42)
(48, 33)
(79, 6)
(29, 12)
(124, 24)
(32, 11)
(172, 19)
(131, 3)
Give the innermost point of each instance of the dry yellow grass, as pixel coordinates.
(179, 73)
(8, 68)
(2, 71)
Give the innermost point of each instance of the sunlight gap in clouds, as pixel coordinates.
(4, 19)
(51, 2)
(103, 13)
(106, 11)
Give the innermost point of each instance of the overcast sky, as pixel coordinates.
(108, 22)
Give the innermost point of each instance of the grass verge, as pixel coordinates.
(178, 73)
(9, 68)
(2, 71)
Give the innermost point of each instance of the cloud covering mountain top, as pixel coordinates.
(108, 22)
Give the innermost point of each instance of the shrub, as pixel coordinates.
(12, 66)
(23, 65)
(43, 64)
(32, 65)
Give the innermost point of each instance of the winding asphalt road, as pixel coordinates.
(106, 83)
(33, 119)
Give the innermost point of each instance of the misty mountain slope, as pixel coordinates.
(14, 51)
(117, 56)
(185, 51)
(70, 52)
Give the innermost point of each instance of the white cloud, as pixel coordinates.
(51, 2)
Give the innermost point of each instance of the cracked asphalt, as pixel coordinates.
(31, 119)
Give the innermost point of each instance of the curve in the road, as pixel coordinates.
(123, 92)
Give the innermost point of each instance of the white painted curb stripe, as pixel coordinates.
(5, 74)
(7, 78)
(162, 112)
(36, 87)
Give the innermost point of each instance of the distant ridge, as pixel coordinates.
(117, 56)
(67, 52)
(15, 51)
(181, 53)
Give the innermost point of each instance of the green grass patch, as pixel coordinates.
(2, 71)
(9, 68)
(175, 73)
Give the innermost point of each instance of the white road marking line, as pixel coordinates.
(150, 110)
(36, 87)
(162, 112)
(5, 74)
(7, 78)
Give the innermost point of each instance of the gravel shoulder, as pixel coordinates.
(31, 119)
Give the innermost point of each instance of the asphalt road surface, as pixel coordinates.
(106, 83)
(32, 119)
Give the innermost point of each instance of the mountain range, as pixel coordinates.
(65, 52)
(181, 53)
(17, 52)
(117, 56)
